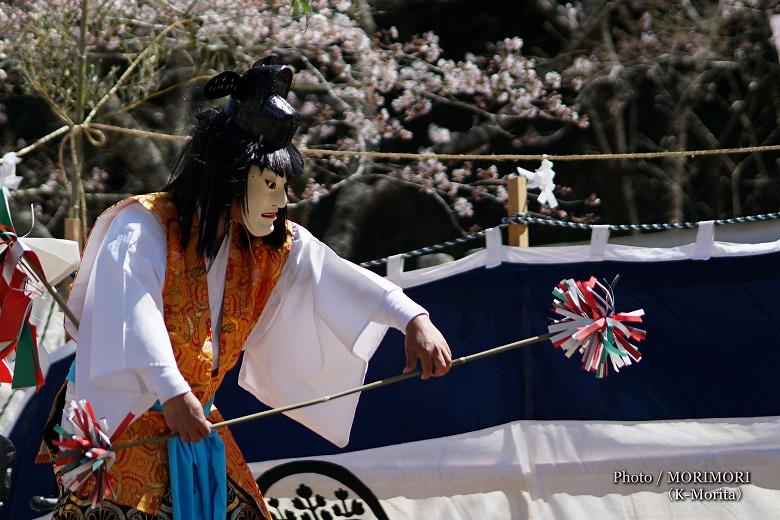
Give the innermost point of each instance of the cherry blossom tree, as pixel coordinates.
(355, 90)
(663, 75)
(569, 78)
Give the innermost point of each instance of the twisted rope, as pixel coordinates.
(536, 219)
(317, 152)
(530, 218)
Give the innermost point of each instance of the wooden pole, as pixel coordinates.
(73, 229)
(369, 386)
(518, 203)
(75, 224)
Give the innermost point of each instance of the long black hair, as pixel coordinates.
(211, 172)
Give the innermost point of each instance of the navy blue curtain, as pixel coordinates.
(711, 351)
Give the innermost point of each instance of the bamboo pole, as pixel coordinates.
(275, 411)
(40, 277)
(363, 388)
(75, 224)
(73, 229)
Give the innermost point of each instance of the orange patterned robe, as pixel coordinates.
(141, 472)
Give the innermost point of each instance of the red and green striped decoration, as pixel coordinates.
(590, 325)
(16, 332)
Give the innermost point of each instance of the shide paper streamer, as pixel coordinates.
(86, 457)
(590, 325)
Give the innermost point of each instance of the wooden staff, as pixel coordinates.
(369, 386)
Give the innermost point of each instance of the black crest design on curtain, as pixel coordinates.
(352, 500)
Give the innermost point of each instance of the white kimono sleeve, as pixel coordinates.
(117, 296)
(320, 326)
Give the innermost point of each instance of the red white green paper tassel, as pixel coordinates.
(86, 456)
(590, 325)
(17, 263)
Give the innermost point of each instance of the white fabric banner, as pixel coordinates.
(573, 469)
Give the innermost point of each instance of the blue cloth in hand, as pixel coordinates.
(198, 478)
(198, 475)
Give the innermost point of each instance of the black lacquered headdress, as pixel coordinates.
(258, 103)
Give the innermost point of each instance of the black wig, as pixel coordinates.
(211, 172)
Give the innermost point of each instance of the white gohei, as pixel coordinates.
(542, 178)
(8, 177)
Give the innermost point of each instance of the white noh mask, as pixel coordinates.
(265, 196)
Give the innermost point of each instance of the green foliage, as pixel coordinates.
(301, 7)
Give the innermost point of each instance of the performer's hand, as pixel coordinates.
(184, 415)
(426, 343)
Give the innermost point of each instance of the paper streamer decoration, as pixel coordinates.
(85, 457)
(8, 177)
(16, 293)
(590, 325)
(542, 178)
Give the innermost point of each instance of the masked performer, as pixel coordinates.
(175, 285)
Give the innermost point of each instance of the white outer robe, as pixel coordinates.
(322, 322)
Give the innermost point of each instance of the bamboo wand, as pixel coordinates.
(40, 277)
(276, 411)
(369, 386)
